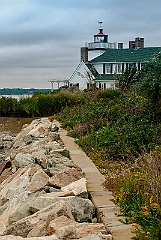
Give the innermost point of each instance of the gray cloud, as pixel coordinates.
(41, 39)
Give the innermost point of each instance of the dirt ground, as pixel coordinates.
(13, 125)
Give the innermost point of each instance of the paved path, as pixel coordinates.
(106, 209)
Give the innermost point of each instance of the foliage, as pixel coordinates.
(127, 79)
(149, 84)
(40, 104)
(117, 128)
(7, 107)
(114, 127)
(138, 198)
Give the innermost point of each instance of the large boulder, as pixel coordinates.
(42, 192)
(78, 187)
(38, 181)
(24, 210)
(82, 209)
(11, 237)
(58, 223)
(23, 159)
(46, 215)
(64, 178)
(74, 230)
(17, 188)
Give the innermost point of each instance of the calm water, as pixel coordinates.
(17, 96)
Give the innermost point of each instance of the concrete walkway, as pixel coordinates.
(106, 210)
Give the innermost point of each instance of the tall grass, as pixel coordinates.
(39, 105)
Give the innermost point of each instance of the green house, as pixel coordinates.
(115, 61)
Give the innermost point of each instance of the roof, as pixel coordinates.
(126, 55)
(105, 77)
(100, 34)
(92, 69)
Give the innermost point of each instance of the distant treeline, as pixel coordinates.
(22, 91)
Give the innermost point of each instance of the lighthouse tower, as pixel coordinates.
(97, 47)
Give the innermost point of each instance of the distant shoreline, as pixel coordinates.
(22, 91)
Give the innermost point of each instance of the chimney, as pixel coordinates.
(139, 42)
(120, 45)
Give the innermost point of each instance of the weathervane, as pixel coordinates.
(100, 23)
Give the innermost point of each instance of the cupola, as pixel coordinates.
(100, 37)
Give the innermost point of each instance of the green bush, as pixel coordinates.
(118, 128)
(7, 107)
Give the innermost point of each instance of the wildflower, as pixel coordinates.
(151, 199)
(132, 218)
(145, 213)
(133, 230)
(144, 208)
(134, 224)
(154, 205)
(148, 233)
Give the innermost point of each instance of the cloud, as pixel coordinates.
(41, 39)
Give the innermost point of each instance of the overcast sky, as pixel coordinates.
(40, 40)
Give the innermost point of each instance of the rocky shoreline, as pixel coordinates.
(43, 194)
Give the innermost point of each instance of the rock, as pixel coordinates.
(54, 136)
(23, 159)
(42, 191)
(5, 170)
(77, 187)
(54, 128)
(63, 151)
(41, 159)
(23, 210)
(82, 209)
(96, 237)
(17, 188)
(39, 230)
(18, 141)
(79, 230)
(59, 163)
(8, 138)
(66, 177)
(11, 237)
(13, 193)
(28, 139)
(58, 223)
(4, 165)
(25, 225)
(34, 130)
(39, 180)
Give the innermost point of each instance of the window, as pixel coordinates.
(88, 85)
(123, 67)
(119, 68)
(111, 68)
(104, 68)
(108, 68)
(104, 85)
